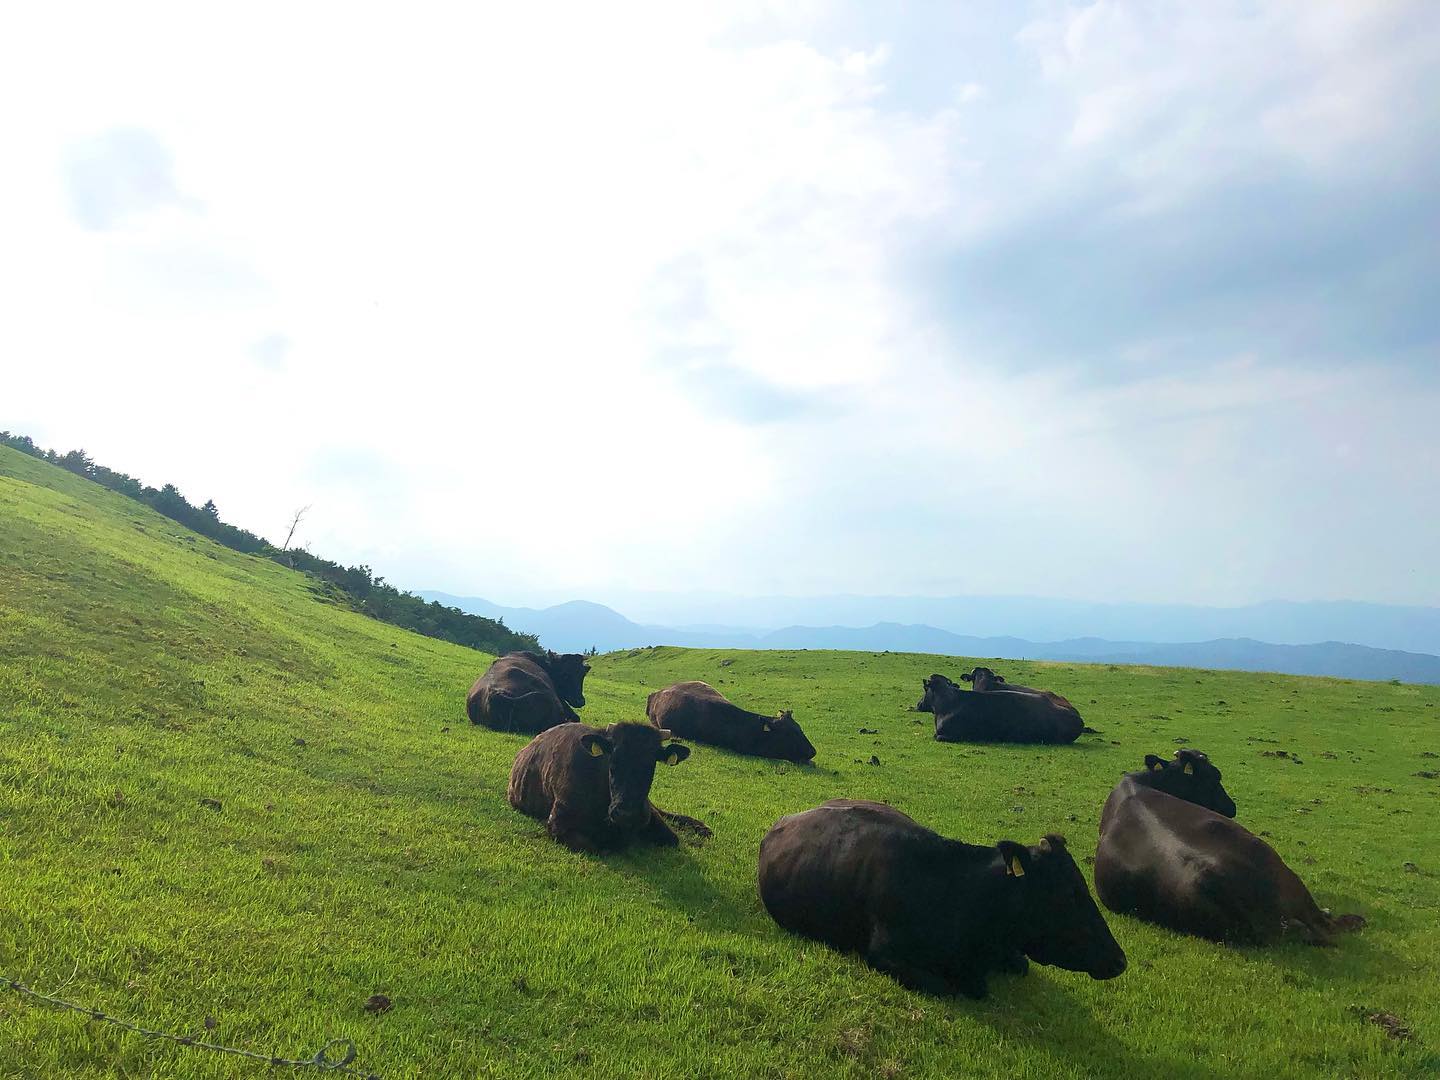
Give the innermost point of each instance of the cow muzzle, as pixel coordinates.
(1111, 968)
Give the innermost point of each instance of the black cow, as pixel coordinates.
(938, 915)
(973, 716)
(982, 678)
(526, 692)
(592, 788)
(987, 680)
(1169, 854)
(696, 710)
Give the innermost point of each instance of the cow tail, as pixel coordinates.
(1320, 924)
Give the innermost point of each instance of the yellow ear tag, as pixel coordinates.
(1189, 768)
(1016, 869)
(673, 759)
(767, 727)
(595, 750)
(1155, 766)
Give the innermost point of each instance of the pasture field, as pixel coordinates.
(221, 796)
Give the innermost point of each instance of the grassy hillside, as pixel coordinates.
(220, 796)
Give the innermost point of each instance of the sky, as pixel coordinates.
(1105, 301)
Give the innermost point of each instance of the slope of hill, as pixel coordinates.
(357, 586)
(580, 625)
(223, 797)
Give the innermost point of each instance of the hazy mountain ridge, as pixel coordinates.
(1285, 622)
(578, 625)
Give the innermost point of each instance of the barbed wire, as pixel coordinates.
(345, 1048)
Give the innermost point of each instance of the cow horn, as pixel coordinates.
(665, 734)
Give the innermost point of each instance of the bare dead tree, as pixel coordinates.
(294, 524)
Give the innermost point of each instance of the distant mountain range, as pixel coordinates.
(579, 625)
(1381, 626)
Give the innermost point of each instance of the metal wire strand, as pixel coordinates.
(343, 1062)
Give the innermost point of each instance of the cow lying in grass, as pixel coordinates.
(592, 788)
(1169, 854)
(938, 915)
(973, 716)
(988, 681)
(697, 711)
(525, 692)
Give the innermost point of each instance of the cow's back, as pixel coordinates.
(988, 716)
(549, 770)
(1187, 868)
(517, 674)
(696, 710)
(515, 694)
(832, 873)
(986, 685)
(1157, 860)
(527, 792)
(1131, 851)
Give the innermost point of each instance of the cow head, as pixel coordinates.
(781, 737)
(632, 751)
(983, 678)
(567, 671)
(923, 705)
(1189, 776)
(936, 686)
(1054, 915)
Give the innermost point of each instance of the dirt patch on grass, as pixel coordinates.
(1388, 1022)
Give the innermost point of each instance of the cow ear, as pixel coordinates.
(595, 744)
(1016, 856)
(672, 754)
(1154, 762)
(967, 677)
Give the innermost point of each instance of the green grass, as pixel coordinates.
(144, 670)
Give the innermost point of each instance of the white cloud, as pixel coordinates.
(555, 296)
(1180, 95)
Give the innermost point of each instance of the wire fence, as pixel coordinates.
(343, 1050)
